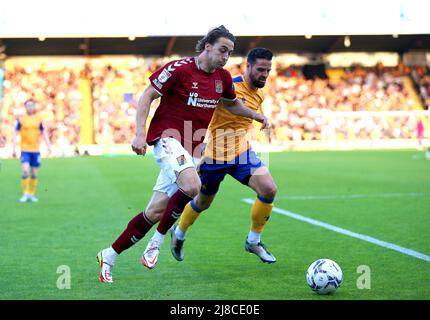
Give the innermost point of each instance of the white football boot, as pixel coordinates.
(24, 198)
(150, 255)
(106, 268)
(32, 198)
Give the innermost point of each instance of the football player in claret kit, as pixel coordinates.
(30, 128)
(190, 89)
(228, 132)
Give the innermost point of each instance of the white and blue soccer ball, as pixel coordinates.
(324, 276)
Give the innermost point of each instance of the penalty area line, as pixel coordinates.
(352, 234)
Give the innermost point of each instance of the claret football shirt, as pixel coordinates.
(189, 97)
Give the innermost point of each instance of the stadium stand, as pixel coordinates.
(56, 91)
(421, 78)
(299, 103)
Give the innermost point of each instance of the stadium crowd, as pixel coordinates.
(116, 90)
(299, 107)
(421, 77)
(58, 97)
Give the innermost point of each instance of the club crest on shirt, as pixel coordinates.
(218, 86)
(181, 160)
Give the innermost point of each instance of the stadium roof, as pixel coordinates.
(98, 27)
(165, 46)
(112, 18)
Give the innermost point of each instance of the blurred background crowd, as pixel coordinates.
(303, 103)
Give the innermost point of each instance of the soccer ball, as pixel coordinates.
(324, 276)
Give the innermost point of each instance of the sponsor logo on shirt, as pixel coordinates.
(195, 101)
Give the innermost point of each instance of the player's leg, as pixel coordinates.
(136, 229)
(262, 183)
(25, 177)
(178, 166)
(191, 212)
(256, 175)
(33, 184)
(211, 176)
(141, 223)
(35, 163)
(188, 183)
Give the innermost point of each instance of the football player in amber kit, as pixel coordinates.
(30, 127)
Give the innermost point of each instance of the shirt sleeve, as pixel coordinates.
(18, 125)
(41, 127)
(165, 78)
(228, 92)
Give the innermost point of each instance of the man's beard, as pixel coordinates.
(256, 82)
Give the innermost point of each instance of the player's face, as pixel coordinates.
(30, 107)
(219, 52)
(259, 72)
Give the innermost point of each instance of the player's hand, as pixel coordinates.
(139, 145)
(263, 120)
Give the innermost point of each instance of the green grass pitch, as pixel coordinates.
(86, 202)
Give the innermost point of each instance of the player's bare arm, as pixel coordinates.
(236, 107)
(139, 142)
(46, 139)
(14, 136)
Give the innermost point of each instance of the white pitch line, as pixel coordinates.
(352, 196)
(352, 234)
